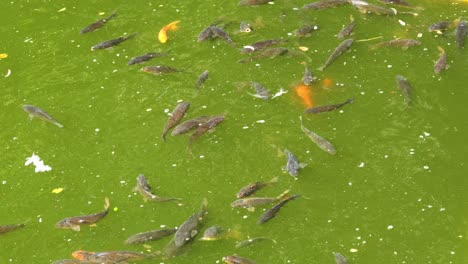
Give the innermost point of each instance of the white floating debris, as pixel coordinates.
(245, 127)
(148, 110)
(202, 156)
(452, 252)
(290, 34)
(4, 182)
(162, 226)
(390, 227)
(442, 209)
(419, 35)
(353, 250)
(401, 22)
(166, 110)
(350, 183)
(426, 167)
(96, 130)
(63, 9)
(361, 165)
(389, 66)
(279, 93)
(426, 134)
(260, 121)
(245, 216)
(174, 165)
(38, 163)
(8, 73)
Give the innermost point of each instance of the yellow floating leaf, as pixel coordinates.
(3, 55)
(57, 190)
(101, 13)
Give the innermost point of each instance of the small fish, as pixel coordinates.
(158, 70)
(261, 45)
(402, 43)
(327, 108)
(218, 32)
(461, 34)
(98, 24)
(206, 33)
(189, 125)
(245, 27)
(254, 187)
(201, 79)
(9, 228)
(237, 260)
(213, 233)
(365, 8)
(346, 31)
(308, 78)
(189, 229)
(340, 259)
(72, 261)
(251, 202)
(144, 189)
(405, 87)
(110, 43)
(150, 236)
(203, 128)
(253, 2)
(252, 241)
(41, 114)
(303, 91)
(324, 4)
(146, 57)
(322, 143)
(305, 31)
(175, 117)
(292, 164)
(162, 35)
(109, 256)
(439, 26)
(270, 213)
(441, 63)
(74, 223)
(342, 48)
(260, 91)
(268, 53)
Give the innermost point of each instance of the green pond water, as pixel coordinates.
(395, 192)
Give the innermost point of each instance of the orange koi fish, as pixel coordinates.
(162, 36)
(303, 91)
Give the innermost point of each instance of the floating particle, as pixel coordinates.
(4, 182)
(302, 48)
(166, 110)
(148, 110)
(97, 130)
(389, 66)
(63, 9)
(353, 250)
(245, 127)
(403, 23)
(245, 216)
(350, 183)
(3, 55)
(116, 209)
(361, 165)
(426, 167)
(38, 163)
(390, 227)
(260, 121)
(57, 190)
(8, 73)
(426, 134)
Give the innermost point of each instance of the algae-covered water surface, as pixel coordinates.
(394, 191)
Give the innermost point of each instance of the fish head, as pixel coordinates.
(67, 224)
(82, 254)
(238, 203)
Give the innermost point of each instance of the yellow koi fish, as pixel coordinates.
(162, 36)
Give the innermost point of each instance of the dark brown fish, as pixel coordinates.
(201, 79)
(292, 164)
(253, 2)
(261, 45)
(461, 34)
(305, 31)
(237, 260)
(158, 70)
(109, 256)
(98, 24)
(254, 187)
(203, 128)
(346, 31)
(189, 229)
(150, 236)
(439, 26)
(324, 4)
(9, 228)
(34, 111)
(270, 213)
(268, 53)
(175, 117)
(75, 222)
(405, 87)
(189, 125)
(146, 57)
(327, 108)
(113, 42)
(322, 143)
(205, 34)
(441, 63)
(342, 48)
(340, 259)
(251, 202)
(220, 33)
(144, 189)
(402, 43)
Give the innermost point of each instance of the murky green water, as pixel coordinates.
(394, 193)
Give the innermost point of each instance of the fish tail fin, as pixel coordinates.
(274, 180)
(106, 203)
(131, 35)
(321, 68)
(204, 204)
(442, 51)
(112, 15)
(58, 124)
(350, 100)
